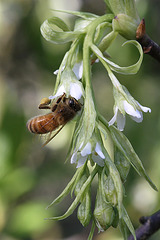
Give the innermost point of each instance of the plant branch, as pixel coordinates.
(148, 45)
(149, 226)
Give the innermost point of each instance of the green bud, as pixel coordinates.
(107, 41)
(84, 213)
(122, 164)
(125, 25)
(80, 181)
(110, 191)
(103, 213)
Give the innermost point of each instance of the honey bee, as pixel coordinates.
(62, 111)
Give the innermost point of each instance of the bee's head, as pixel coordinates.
(74, 104)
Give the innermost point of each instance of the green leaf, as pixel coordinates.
(66, 191)
(59, 23)
(130, 9)
(78, 197)
(116, 6)
(116, 68)
(127, 221)
(123, 144)
(123, 228)
(57, 37)
(84, 15)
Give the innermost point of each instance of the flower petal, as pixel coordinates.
(78, 70)
(56, 71)
(129, 109)
(138, 120)
(121, 120)
(144, 109)
(86, 150)
(74, 157)
(81, 161)
(98, 150)
(59, 92)
(113, 120)
(76, 90)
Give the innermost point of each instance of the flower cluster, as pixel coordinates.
(88, 147)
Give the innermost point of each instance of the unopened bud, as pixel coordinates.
(103, 213)
(125, 25)
(110, 191)
(81, 181)
(84, 210)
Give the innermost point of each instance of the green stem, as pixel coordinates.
(90, 237)
(89, 39)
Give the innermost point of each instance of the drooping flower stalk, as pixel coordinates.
(87, 149)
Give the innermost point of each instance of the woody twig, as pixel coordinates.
(148, 45)
(149, 226)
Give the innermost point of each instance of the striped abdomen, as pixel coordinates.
(42, 124)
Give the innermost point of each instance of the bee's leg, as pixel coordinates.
(44, 104)
(61, 98)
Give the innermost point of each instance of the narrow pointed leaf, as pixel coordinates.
(67, 190)
(128, 222)
(127, 150)
(84, 15)
(123, 228)
(77, 199)
(116, 6)
(130, 9)
(59, 23)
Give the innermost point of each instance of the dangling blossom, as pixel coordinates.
(75, 91)
(69, 82)
(134, 112)
(92, 150)
(77, 69)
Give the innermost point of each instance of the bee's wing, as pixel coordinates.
(51, 137)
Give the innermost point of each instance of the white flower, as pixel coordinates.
(77, 69)
(135, 114)
(70, 83)
(75, 90)
(80, 157)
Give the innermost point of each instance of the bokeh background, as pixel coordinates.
(32, 176)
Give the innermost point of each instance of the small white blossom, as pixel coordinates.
(56, 71)
(75, 90)
(80, 157)
(77, 69)
(135, 114)
(70, 83)
(59, 92)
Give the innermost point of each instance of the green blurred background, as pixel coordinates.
(32, 176)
